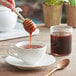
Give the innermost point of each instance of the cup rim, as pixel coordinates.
(43, 44)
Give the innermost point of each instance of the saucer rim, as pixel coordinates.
(31, 66)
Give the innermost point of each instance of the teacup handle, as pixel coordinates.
(10, 51)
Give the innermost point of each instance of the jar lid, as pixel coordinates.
(3, 8)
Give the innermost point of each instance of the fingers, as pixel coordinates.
(12, 2)
(7, 4)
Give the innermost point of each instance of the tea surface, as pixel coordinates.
(32, 46)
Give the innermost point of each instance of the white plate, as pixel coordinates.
(47, 60)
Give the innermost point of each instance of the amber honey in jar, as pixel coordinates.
(61, 40)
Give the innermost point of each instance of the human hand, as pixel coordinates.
(8, 3)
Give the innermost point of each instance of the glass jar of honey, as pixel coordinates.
(61, 40)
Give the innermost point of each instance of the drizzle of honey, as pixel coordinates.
(30, 39)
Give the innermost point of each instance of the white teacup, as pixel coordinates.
(30, 56)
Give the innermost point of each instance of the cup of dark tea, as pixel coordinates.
(31, 56)
(61, 40)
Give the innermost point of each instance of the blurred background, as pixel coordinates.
(33, 9)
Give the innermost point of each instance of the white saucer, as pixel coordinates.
(47, 60)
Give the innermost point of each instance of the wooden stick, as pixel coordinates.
(22, 18)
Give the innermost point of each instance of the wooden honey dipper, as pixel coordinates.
(28, 24)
